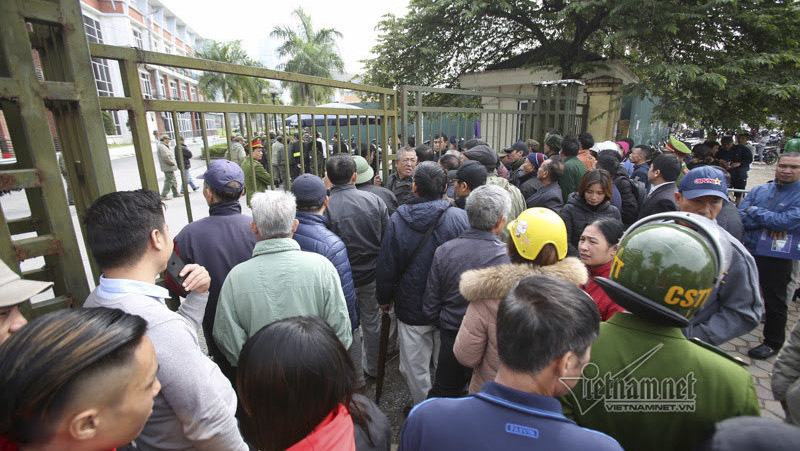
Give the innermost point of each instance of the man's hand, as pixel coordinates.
(197, 280)
(777, 235)
(386, 308)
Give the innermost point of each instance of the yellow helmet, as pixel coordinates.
(536, 227)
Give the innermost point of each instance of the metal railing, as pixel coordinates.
(317, 118)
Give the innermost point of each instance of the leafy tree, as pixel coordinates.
(108, 124)
(310, 52)
(718, 61)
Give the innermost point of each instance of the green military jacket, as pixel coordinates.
(571, 179)
(280, 281)
(260, 183)
(652, 389)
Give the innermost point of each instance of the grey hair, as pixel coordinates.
(405, 149)
(273, 213)
(485, 205)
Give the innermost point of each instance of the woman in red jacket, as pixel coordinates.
(597, 248)
(296, 382)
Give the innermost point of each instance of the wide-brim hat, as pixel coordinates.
(17, 290)
(363, 170)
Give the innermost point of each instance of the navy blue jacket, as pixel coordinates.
(497, 418)
(312, 235)
(402, 235)
(640, 173)
(219, 242)
(474, 249)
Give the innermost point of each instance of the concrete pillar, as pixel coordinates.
(604, 95)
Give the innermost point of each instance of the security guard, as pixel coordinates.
(256, 178)
(647, 385)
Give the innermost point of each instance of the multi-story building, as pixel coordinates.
(147, 25)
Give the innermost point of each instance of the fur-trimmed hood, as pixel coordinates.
(496, 281)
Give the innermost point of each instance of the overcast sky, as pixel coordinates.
(252, 21)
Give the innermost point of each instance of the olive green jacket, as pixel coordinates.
(257, 184)
(639, 370)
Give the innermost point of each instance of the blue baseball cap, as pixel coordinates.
(220, 173)
(704, 181)
(309, 187)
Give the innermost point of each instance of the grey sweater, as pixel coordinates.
(196, 406)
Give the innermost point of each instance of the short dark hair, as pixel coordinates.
(424, 153)
(792, 154)
(586, 140)
(612, 229)
(340, 168)
(610, 152)
(647, 151)
(441, 135)
(225, 196)
(474, 143)
(596, 176)
(411, 141)
(118, 226)
(609, 163)
(50, 361)
(541, 319)
(430, 180)
(570, 146)
(669, 165)
(449, 162)
(293, 373)
(555, 168)
(727, 140)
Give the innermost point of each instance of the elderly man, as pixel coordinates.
(359, 219)
(770, 214)
(488, 158)
(545, 330)
(280, 281)
(411, 237)
(166, 158)
(399, 181)
(131, 244)
(16, 292)
(487, 208)
(549, 195)
(734, 308)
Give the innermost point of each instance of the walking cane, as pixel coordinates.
(383, 344)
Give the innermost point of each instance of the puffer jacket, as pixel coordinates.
(313, 236)
(577, 214)
(400, 239)
(476, 342)
(773, 206)
(630, 206)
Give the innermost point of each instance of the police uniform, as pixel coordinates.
(697, 386)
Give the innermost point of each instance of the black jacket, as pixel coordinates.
(474, 249)
(400, 187)
(386, 196)
(548, 196)
(529, 184)
(358, 217)
(577, 214)
(630, 206)
(397, 277)
(187, 155)
(660, 200)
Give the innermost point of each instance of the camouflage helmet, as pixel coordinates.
(666, 267)
(792, 145)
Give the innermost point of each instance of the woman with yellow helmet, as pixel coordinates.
(537, 245)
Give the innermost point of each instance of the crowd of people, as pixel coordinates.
(562, 299)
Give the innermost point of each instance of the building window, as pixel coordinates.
(184, 92)
(162, 93)
(92, 28)
(147, 87)
(137, 39)
(196, 120)
(173, 90)
(185, 124)
(102, 77)
(169, 130)
(194, 94)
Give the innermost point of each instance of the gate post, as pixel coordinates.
(604, 112)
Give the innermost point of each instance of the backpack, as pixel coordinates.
(639, 190)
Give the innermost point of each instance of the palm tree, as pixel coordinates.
(311, 53)
(233, 88)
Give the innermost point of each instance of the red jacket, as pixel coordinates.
(334, 433)
(606, 306)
